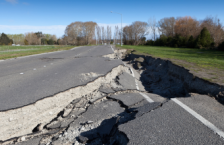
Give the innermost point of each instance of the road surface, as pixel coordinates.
(100, 100)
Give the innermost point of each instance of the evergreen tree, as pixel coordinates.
(4, 40)
(204, 39)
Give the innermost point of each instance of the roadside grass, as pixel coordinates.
(202, 58)
(17, 51)
(207, 64)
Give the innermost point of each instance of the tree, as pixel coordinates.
(17, 38)
(26, 42)
(50, 42)
(204, 39)
(215, 28)
(98, 32)
(108, 34)
(139, 30)
(43, 41)
(152, 25)
(47, 36)
(128, 35)
(78, 33)
(4, 40)
(89, 31)
(166, 26)
(116, 34)
(103, 34)
(54, 38)
(32, 38)
(221, 46)
(187, 26)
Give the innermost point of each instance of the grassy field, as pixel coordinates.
(17, 51)
(208, 64)
(203, 58)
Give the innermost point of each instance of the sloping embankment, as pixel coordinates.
(170, 80)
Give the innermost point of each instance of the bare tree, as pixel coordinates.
(187, 26)
(139, 30)
(108, 34)
(98, 31)
(80, 33)
(116, 34)
(73, 31)
(152, 25)
(166, 26)
(89, 31)
(17, 38)
(32, 39)
(103, 34)
(54, 38)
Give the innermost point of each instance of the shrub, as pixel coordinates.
(221, 46)
(26, 42)
(149, 42)
(191, 42)
(50, 42)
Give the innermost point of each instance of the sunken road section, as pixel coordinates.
(164, 78)
(24, 120)
(110, 110)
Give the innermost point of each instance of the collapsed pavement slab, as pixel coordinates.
(128, 99)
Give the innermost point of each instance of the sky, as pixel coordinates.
(52, 16)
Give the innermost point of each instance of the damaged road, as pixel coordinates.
(90, 96)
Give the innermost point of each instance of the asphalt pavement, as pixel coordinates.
(26, 80)
(108, 115)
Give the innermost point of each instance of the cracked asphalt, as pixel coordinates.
(115, 113)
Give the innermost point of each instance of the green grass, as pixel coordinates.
(202, 58)
(17, 51)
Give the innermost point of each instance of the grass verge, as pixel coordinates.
(17, 51)
(207, 64)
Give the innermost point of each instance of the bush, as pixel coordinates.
(191, 42)
(175, 45)
(149, 42)
(26, 42)
(221, 46)
(179, 40)
(43, 41)
(50, 42)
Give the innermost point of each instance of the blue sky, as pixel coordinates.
(52, 16)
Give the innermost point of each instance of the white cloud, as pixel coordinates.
(16, 29)
(12, 1)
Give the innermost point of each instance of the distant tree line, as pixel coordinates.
(188, 32)
(29, 38)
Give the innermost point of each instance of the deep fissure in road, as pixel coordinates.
(94, 117)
